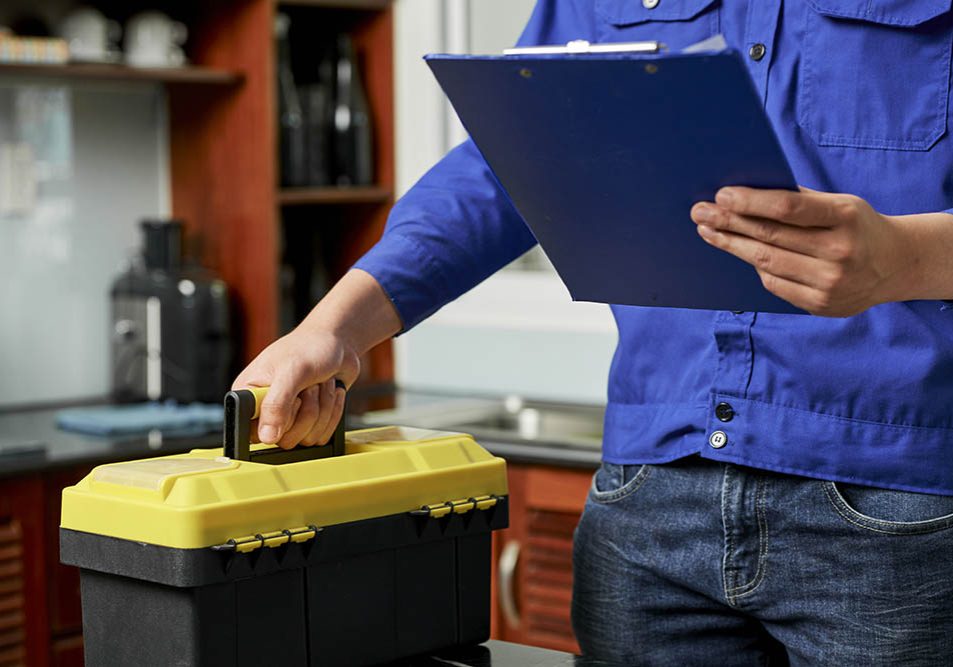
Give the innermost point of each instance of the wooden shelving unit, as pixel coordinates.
(206, 76)
(332, 195)
(223, 148)
(338, 4)
(224, 153)
(223, 163)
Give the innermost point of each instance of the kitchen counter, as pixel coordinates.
(553, 434)
(30, 441)
(503, 654)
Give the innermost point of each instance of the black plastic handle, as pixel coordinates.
(243, 405)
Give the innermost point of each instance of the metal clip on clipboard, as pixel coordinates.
(581, 46)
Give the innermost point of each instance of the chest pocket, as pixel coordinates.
(876, 73)
(677, 23)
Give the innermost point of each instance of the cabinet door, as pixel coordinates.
(24, 634)
(534, 556)
(68, 651)
(63, 582)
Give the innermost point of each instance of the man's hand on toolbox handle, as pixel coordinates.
(303, 405)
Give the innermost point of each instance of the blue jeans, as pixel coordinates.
(702, 563)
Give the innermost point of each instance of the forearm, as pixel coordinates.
(450, 231)
(928, 256)
(357, 311)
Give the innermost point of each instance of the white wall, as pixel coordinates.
(99, 165)
(518, 332)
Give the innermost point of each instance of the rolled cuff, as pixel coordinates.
(413, 282)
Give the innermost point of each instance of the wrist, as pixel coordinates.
(356, 312)
(903, 266)
(922, 250)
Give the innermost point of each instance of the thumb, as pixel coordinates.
(276, 410)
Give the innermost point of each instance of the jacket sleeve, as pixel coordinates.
(456, 226)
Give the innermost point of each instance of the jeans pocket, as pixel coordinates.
(876, 74)
(890, 511)
(613, 482)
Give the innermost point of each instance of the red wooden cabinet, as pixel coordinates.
(533, 557)
(40, 617)
(24, 628)
(62, 587)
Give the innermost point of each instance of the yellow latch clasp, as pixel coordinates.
(271, 540)
(460, 506)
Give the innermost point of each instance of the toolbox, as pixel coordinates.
(374, 547)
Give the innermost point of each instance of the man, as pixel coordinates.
(775, 487)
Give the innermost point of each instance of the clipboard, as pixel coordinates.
(603, 153)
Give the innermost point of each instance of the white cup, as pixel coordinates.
(90, 35)
(154, 40)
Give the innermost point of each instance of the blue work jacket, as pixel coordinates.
(858, 92)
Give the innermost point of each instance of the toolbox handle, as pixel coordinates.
(244, 405)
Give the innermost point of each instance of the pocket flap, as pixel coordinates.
(888, 12)
(630, 12)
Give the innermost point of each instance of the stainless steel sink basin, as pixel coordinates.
(510, 420)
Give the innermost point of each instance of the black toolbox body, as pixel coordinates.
(358, 593)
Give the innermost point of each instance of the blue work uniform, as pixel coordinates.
(859, 95)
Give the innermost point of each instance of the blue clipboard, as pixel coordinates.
(604, 156)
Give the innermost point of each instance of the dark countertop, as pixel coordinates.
(30, 441)
(503, 654)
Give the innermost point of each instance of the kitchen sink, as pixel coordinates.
(510, 420)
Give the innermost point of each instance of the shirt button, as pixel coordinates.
(756, 51)
(724, 412)
(650, 4)
(718, 439)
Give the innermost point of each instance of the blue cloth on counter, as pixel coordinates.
(859, 96)
(173, 419)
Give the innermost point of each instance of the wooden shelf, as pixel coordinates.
(337, 4)
(108, 72)
(333, 195)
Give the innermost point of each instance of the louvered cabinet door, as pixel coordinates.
(23, 618)
(534, 565)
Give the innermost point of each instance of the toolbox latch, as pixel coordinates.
(460, 506)
(271, 540)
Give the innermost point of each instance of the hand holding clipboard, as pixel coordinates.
(603, 152)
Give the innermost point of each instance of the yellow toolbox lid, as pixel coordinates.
(202, 499)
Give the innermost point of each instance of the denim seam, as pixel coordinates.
(622, 492)
(814, 474)
(726, 572)
(752, 586)
(880, 526)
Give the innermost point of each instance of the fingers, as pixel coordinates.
(306, 415)
(314, 415)
(804, 240)
(793, 266)
(332, 412)
(814, 301)
(804, 209)
(320, 423)
(276, 413)
(791, 291)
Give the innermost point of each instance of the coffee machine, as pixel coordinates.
(171, 325)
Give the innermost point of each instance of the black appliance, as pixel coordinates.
(171, 325)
